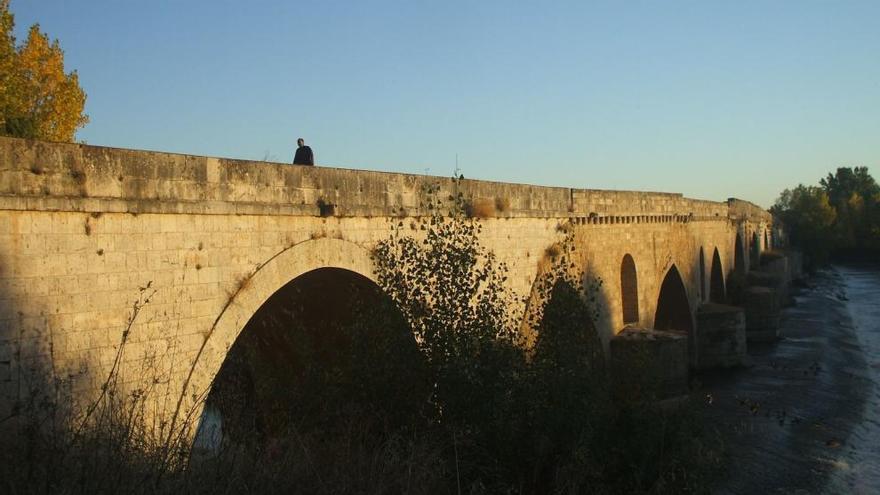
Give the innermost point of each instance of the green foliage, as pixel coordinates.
(842, 214)
(37, 98)
(523, 422)
(856, 198)
(452, 293)
(809, 217)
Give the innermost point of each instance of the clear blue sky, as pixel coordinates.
(711, 99)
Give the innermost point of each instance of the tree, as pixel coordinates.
(856, 197)
(841, 185)
(37, 98)
(809, 216)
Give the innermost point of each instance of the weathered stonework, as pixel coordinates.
(720, 340)
(763, 312)
(658, 359)
(774, 275)
(84, 228)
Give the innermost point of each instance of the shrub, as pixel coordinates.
(480, 208)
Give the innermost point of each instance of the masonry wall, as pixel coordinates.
(88, 233)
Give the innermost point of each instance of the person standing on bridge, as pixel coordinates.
(304, 155)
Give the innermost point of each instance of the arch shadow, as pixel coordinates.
(629, 290)
(702, 284)
(755, 251)
(326, 343)
(251, 295)
(673, 306)
(739, 256)
(716, 282)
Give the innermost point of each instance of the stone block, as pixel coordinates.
(644, 357)
(720, 337)
(778, 266)
(762, 310)
(773, 275)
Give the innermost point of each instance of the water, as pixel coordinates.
(860, 466)
(805, 416)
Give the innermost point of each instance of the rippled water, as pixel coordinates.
(860, 464)
(804, 417)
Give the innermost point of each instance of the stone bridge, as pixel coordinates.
(84, 229)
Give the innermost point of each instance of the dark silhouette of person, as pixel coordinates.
(304, 155)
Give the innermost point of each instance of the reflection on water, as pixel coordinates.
(861, 463)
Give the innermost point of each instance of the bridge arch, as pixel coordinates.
(755, 251)
(254, 291)
(702, 284)
(739, 256)
(716, 282)
(629, 290)
(673, 305)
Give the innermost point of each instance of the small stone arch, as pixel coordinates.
(673, 306)
(755, 251)
(739, 256)
(702, 284)
(629, 290)
(716, 281)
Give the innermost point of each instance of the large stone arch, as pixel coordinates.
(255, 290)
(673, 310)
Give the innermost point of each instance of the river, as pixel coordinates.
(804, 417)
(860, 463)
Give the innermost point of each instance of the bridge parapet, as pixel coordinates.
(742, 210)
(36, 175)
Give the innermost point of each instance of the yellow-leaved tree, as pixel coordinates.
(37, 98)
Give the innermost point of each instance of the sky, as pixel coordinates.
(709, 99)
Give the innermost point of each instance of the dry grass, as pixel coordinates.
(480, 208)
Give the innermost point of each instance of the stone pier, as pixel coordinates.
(720, 338)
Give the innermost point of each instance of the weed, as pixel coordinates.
(480, 208)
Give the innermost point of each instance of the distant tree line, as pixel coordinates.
(38, 100)
(840, 216)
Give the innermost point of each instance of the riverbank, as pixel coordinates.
(802, 418)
